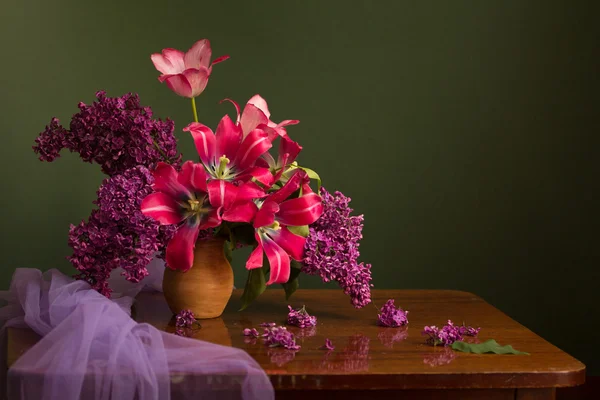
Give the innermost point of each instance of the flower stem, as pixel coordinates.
(194, 109)
(162, 153)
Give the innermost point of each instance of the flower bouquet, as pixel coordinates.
(194, 214)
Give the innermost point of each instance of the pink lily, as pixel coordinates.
(288, 151)
(275, 214)
(184, 198)
(256, 115)
(228, 154)
(186, 74)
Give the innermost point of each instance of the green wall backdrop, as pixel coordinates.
(465, 131)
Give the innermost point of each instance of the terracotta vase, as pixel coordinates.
(206, 287)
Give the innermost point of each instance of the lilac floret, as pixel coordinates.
(185, 319)
(300, 318)
(391, 316)
(279, 336)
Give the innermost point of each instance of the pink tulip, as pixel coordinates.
(186, 74)
(275, 214)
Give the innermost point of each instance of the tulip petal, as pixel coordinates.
(180, 250)
(255, 144)
(220, 59)
(198, 55)
(169, 62)
(162, 208)
(303, 210)
(197, 78)
(180, 85)
(252, 117)
(291, 243)
(240, 212)
(256, 257)
(221, 193)
(166, 181)
(193, 176)
(279, 262)
(293, 184)
(229, 137)
(265, 215)
(205, 142)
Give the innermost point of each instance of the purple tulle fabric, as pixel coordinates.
(92, 349)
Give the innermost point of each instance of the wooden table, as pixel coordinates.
(375, 362)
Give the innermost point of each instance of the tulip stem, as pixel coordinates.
(194, 109)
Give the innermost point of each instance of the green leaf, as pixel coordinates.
(255, 285)
(292, 284)
(313, 175)
(227, 249)
(299, 230)
(491, 346)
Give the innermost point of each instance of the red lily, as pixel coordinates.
(186, 198)
(256, 115)
(230, 155)
(271, 222)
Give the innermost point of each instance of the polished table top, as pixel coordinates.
(367, 356)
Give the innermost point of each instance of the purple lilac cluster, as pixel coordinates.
(116, 132)
(117, 234)
(185, 319)
(279, 336)
(391, 316)
(331, 249)
(448, 334)
(300, 318)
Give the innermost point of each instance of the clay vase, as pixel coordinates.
(205, 288)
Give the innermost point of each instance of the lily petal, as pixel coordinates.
(261, 174)
(193, 176)
(260, 103)
(266, 214)
(256, 257)
(240, 212)
(237, 108)
(290, 187)
(252, 117)
(210, 220)
(291, 243)
(166, 181)
(162, 208)
(303, 210)
(255, 144)
(180, 250)
(249, 191)
(288, 146)
(198, 55)
(169, 62)
(279, 262)
(221, 193)
(229, 137)
(180, 85)
(205, 141)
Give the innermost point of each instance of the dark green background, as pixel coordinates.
(465, 131)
